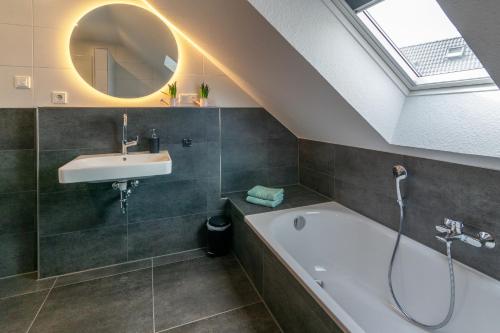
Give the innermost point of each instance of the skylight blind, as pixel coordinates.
(358, 5)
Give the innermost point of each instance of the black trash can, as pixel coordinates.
(219, 236)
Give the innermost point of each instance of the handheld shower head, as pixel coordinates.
(399, 172)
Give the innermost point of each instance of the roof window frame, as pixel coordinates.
(382, 46)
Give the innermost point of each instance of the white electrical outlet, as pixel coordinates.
(22, 82)
(59, 97)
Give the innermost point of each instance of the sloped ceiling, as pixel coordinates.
(270, 69)
(312, 103)
(479, 23)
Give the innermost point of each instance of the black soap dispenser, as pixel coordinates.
(154, 142)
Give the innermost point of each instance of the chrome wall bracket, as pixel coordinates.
(125, 187)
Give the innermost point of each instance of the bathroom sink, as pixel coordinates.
(112, 167)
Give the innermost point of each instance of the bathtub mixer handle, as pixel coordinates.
(452, 230)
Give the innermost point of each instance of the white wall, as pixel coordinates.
(322, 39)
(34, 35)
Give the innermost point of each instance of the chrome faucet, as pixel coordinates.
(125, 143)
(453, 230)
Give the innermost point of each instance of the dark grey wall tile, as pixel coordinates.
(193, 123)
(91, 207)
(276, 131)
(76, 251)
(17, 170)
(17, 313)
(113, 304)
(168, 199)
(193, 162)
(18, 129)
(171, 235)
(213, 124)
(49, 163)
(243, 180)
(70, 128)
(250, 319)
(292, 306)
(256, 149)
(318, 156)
(320, 182)
(23, 284)
(282, 153)
(18, 212)
(247, 125)
(244, 156)
(282, 176)
(18, 253)
(179, 256)
(100, 273)
(247, 247)
(215, 202)
(142, 120)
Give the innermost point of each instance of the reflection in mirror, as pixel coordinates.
(123, 51)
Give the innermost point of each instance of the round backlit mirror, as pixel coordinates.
(123, 51)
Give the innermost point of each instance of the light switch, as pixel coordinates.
(22, 82)
(59, 97)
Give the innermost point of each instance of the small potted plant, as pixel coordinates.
(172, 94)
(204, 90)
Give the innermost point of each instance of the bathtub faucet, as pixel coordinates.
(452, 230)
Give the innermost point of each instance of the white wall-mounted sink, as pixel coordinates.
(111, 167)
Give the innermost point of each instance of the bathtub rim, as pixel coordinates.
(328, 304)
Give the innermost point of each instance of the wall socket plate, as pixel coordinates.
(59, 97)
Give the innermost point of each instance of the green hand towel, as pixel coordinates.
(266, 203)
(266, 193)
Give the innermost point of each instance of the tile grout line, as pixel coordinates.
(257, 292)
(209, 317)
(153, 294)
(41, 306)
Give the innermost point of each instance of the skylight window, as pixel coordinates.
(422, 44)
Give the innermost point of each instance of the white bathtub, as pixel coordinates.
(350, 254)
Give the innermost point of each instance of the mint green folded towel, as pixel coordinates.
(262, 202)
(266, 193)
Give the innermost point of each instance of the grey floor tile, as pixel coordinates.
(102, 272)
(121, 303)
(192, 290)
(17, 313)
(178, 257)
(23, 284)
(250, 319)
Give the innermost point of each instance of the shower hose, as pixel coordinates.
(452, 280)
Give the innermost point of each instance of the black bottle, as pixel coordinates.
(154, 142)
